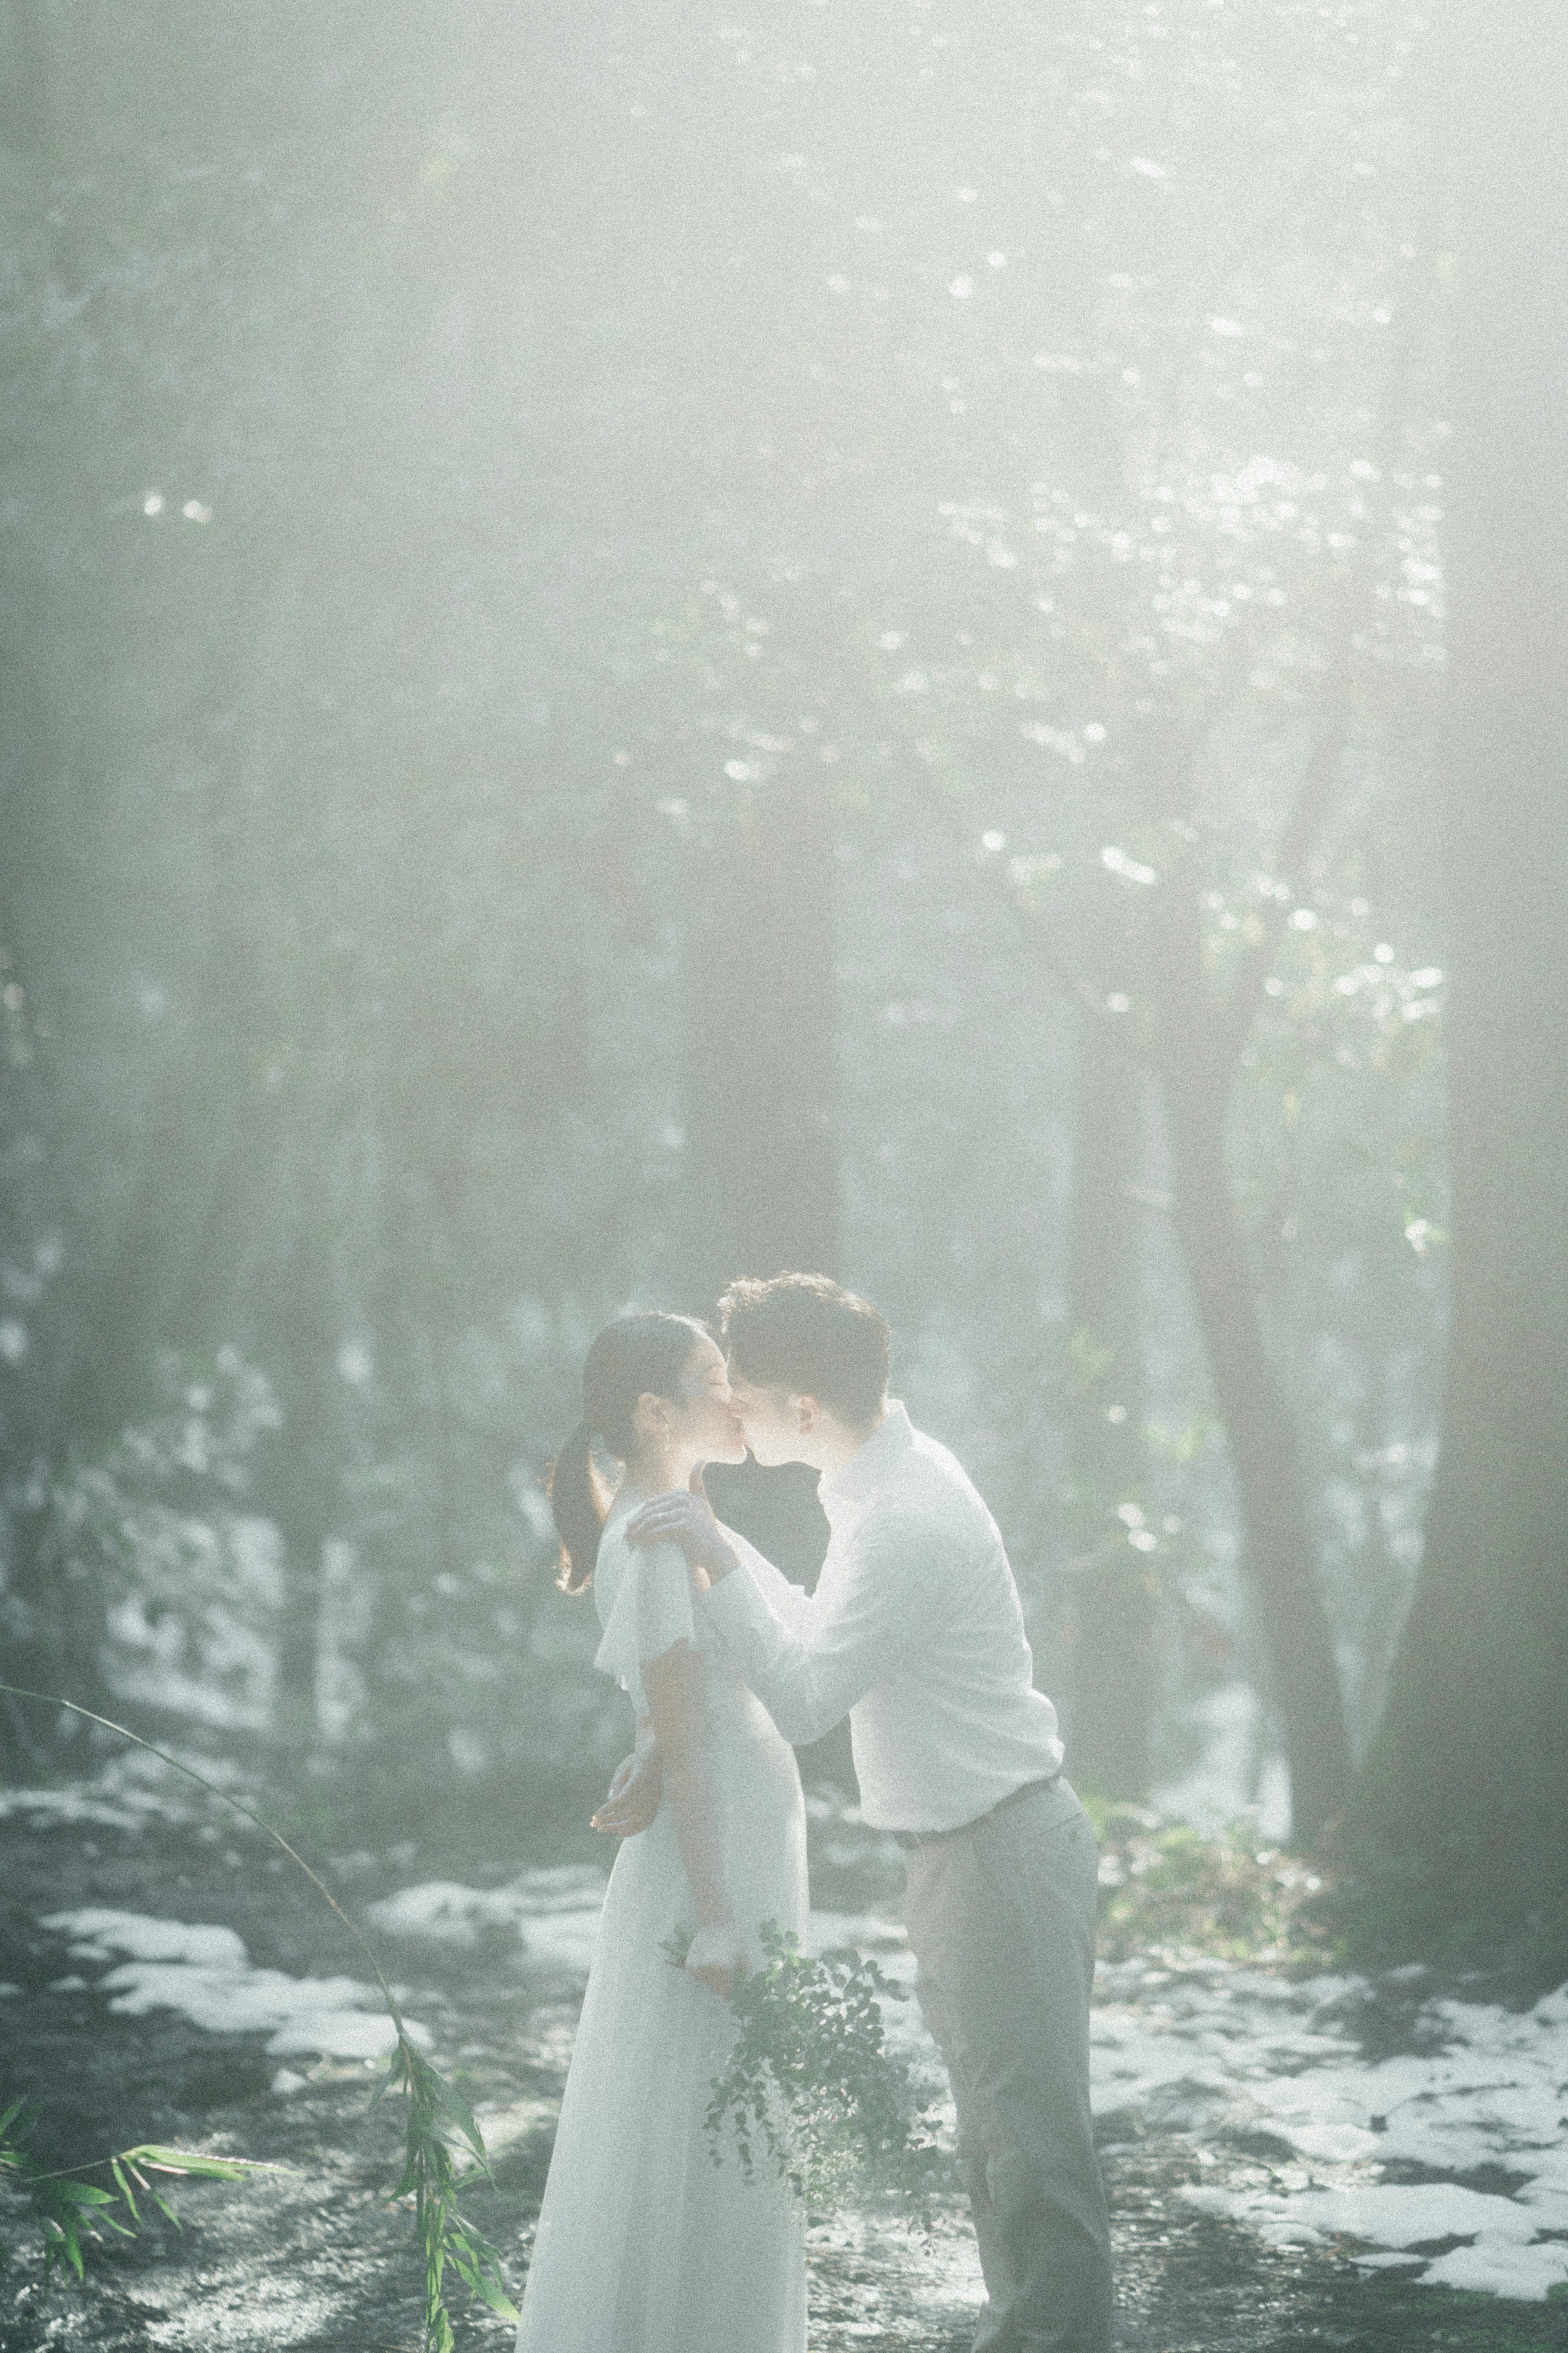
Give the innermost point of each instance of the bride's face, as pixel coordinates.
(703, 1421)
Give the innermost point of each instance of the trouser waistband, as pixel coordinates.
(1025, 1789)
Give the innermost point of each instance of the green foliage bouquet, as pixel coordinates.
(812, 2090)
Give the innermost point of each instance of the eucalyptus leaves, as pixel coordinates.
(812, 2091)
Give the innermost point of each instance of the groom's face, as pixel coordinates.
(770, 1420)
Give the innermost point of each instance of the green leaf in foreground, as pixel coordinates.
(69, 2208)
(434, 2109)
(438, 2118)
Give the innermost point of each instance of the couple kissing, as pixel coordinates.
(915, 1632)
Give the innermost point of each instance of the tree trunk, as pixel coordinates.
(1468, 1783)
(1280, 1558)
(1111, 1687)
(1196, 1054)
(762, 1127)
(764, 1135)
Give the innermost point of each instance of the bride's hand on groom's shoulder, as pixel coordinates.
(686, 1518)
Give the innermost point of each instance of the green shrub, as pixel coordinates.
(1166, 1889)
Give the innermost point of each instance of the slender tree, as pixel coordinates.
(1466, 1787)
(1147, 999)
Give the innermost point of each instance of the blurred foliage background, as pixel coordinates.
(645, 646)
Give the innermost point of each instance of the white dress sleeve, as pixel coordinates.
(651, 1613)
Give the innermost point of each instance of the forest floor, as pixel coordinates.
(1224, 2244)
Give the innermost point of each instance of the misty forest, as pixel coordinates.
(915, 642)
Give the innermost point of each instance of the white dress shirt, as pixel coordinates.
(914, 1631)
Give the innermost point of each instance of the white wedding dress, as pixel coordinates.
(643, 2245)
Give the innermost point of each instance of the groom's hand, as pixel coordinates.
(686, 1518)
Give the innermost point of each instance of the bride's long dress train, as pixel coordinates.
(643, 2245)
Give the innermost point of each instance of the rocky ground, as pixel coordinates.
(312, 2256)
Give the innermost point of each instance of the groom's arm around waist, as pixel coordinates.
(861, 1632)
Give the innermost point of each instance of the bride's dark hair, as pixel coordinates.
(635, 1354)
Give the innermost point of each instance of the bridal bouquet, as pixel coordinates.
(812, 2090)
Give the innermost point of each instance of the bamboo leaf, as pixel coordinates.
(451, 2101)
(18, 2108)
(65, 2243)
(479, 2265)
(427, 2173)
(492, 2292)
(393, 2080)
(81, 2193)
(158, 2159)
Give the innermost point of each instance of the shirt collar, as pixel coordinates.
(872, 1462)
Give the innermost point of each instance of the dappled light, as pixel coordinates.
(914, 650)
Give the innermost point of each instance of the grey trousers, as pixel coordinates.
(1001, 1918)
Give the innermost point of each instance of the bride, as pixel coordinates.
(643, 2245)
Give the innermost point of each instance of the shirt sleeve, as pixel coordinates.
(788, 1601)
(652, 1612)
(808, 1671)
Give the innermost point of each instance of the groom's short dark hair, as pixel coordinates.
(807, 1334)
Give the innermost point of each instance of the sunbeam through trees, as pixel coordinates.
(912, 645)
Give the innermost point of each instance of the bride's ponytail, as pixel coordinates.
(635, 1354)
(578, 1500)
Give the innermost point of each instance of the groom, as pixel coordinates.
(915, 1632)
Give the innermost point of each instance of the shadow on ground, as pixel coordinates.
(313, 2257)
